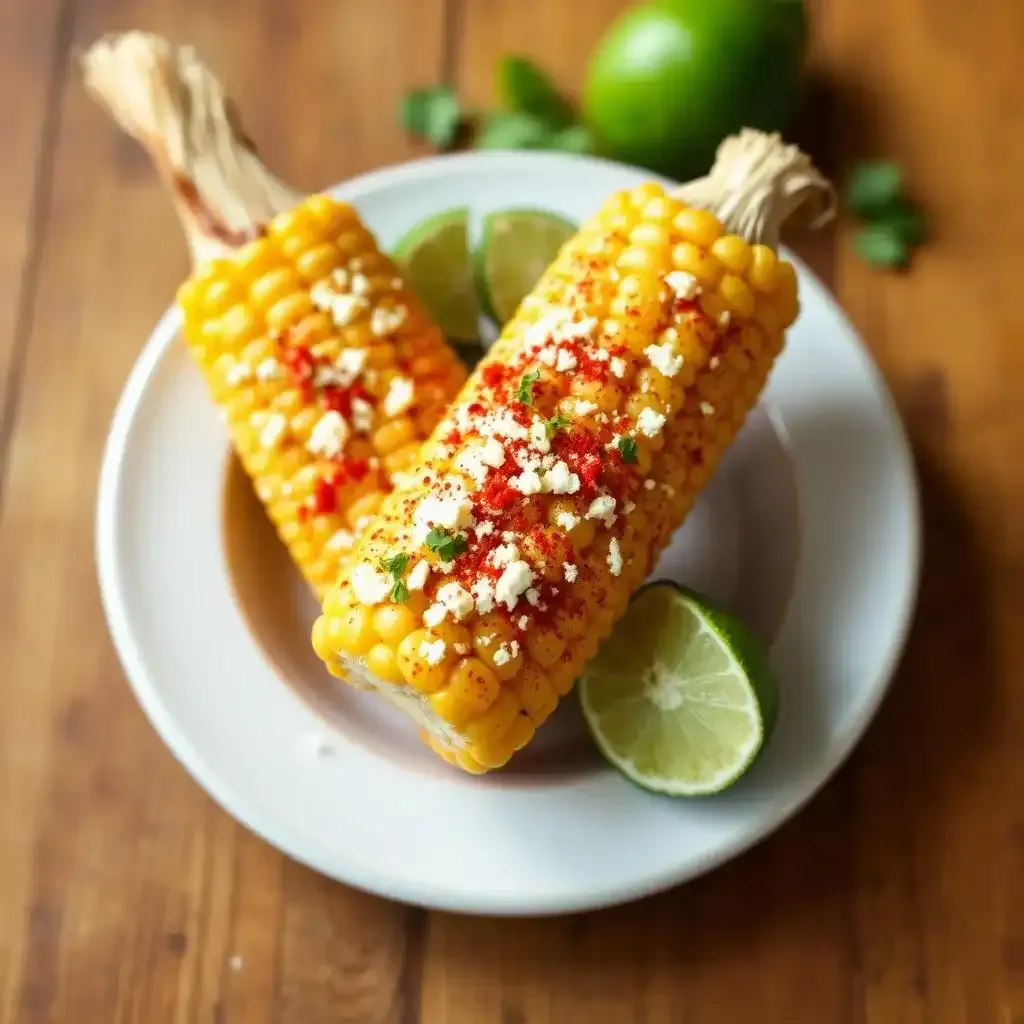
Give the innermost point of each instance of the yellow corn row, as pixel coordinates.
(326, 368)
(488, 580)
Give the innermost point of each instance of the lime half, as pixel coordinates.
(681, 698)
(434, 257)
(516, 248)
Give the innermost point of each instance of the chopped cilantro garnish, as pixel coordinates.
(395, 567)
(555, 424)
(627, 449)
(447, 545)
(525, 392)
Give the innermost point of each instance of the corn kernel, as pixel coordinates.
(700, 227)
(732, 252)
(763, 269)
(352, 631)
(383, 663)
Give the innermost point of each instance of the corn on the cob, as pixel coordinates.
(487, 581)
(326, 368)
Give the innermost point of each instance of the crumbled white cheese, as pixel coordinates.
(456, 598)
(461, 648)
(432, 652)
(515, 580)
(614, 557)
(649, 422)
(603, 508)
(539, 437)
(476, 460)
(664, 359)
(385, 320)
(239, 373)
(345, 308)
(362, 415)
(273, 430)
(527, 482)
(548, 355)
(339, 278)
(361, 285)
(508, 536)
(533, 596)
(399, 397)
(572, 330)
(630, 506)
(585, 408)
(341, 540)
(492, 453)
(434, 615)
(416, 578)
(523, 622)
(349, 365)
(566, 520)
(504, 554)
(269, 369)
(502, 656)
(369, 585)
(482, 590)
(484, 529)
(329, 435)
(649, 484)
(449, 512)
(558, 479)
(685, 285)
(565, 362)
(571, 572)
(618, 366)
(714, 362)
(707, 409)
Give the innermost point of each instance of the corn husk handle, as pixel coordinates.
(167, 99)
(758, 183)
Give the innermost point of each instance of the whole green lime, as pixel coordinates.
(671, 78)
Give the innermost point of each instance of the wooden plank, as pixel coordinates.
(936, 798)
(30, 40)
(125, 895)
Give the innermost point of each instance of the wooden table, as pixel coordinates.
(127, 895)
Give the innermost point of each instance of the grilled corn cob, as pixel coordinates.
(326, 368)
(487, 581)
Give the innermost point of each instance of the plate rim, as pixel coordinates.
(249, 814)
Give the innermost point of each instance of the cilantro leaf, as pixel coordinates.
(525, 392)
(446, 544)
(528, 89)
(881, 246)
(396, 565)
(873, 185)
(400, 592)
(504, 130)
(433, 114)
(555, 424)
(627, 449)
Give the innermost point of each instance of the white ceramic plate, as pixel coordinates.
(810, 530)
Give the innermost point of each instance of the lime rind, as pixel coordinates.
(665, 726)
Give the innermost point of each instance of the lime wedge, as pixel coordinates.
(435, 259)
(680, 698)
(516, 248)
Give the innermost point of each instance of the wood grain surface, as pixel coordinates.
(126, 895)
